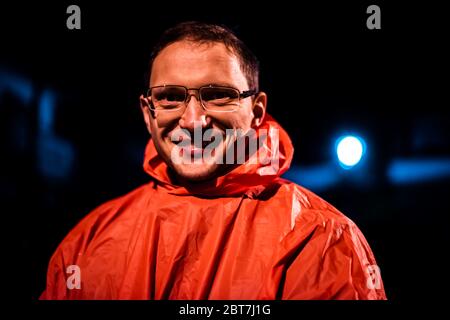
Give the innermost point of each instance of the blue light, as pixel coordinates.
(318, 177)
(46, 112)
(21, 87)
(349, 150)
(416, 170)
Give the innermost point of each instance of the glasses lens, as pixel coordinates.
(168, 97)
(220, 98)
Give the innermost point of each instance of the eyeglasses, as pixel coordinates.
(212, 98)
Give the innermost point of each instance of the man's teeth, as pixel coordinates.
(203, 145)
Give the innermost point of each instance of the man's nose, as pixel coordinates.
(194, 115)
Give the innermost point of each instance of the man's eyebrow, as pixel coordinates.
(220, 84)
(213, 84)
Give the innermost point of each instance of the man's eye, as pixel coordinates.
(170, 96)
(174, 97)
(219, 95)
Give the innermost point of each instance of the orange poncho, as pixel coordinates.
(241, 236)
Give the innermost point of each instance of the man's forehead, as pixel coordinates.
(187, 60)
(186, 49)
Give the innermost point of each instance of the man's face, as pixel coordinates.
(194, 65)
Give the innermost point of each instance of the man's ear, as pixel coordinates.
(146, 111)
(259, 109)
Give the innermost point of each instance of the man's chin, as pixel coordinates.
(196, 172)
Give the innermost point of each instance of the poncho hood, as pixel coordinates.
(249, 178)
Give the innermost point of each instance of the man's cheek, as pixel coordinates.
(164, 119)
(162, 133)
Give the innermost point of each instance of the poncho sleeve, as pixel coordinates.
(336, 263)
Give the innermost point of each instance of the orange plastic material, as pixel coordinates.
(241, 236)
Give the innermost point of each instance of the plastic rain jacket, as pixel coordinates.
(248, 234)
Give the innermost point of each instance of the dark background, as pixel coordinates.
(72, 135)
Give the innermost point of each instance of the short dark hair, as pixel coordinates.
(201, 32)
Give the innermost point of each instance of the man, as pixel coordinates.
(215, 221)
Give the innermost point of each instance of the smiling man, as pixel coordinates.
(196, 86)
(215, 221)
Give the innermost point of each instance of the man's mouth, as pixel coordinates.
(202, 147)
(193, 149)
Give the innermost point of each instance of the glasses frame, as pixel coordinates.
(241, 95)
